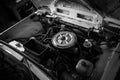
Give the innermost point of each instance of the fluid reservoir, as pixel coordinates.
(84, 67)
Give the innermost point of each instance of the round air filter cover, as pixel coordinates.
(64, 39)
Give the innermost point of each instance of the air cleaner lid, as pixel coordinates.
(64, 39)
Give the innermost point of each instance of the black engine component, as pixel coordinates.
(64, 49)
(68, 47)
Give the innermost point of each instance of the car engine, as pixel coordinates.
(69, 44)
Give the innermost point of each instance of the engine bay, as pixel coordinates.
(71, 41)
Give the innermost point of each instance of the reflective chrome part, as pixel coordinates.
(64, 39)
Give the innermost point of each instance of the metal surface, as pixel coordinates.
(113, 65)
(36, 68)
(64, 39)
(76, 14)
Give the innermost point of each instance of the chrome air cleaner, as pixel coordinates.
(64, 39)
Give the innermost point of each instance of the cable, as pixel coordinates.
(32, 76)
(2, 57)
(111, 31)
(83, 37)
(46, 34)
(14, 65)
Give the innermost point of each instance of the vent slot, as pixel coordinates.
(63, 11)
(89, 18)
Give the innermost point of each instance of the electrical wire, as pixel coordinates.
(2, 57)
(83, 37)
(15, 65)
(111, 31)
(32, 76)
(46, 34)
